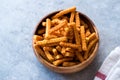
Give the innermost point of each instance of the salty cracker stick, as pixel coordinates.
(91, 37)
(48, 26)
(77, 19)
(79, 56)
(63, 51)
(71, 45)
(60, 25)
(82, 33)
(47, 48)
(60, 61)
(58, 48)
(49, 56)
(87, 33)
(37, 38)
(54, 51)
(77, 36)
(51, 41)
(39, 51)
(69, 54)
(59, 56)
(41, 31)
(72, 17)
(61, 13)
(91, 44)
(66, 64)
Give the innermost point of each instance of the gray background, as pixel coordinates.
(18, 19)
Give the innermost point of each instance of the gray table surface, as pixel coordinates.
(18, 19)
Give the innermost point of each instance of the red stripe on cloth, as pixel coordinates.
(101, 75)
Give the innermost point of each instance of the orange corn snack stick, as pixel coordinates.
(91, 44)
(49, 56)
(60, 61)
(69, 54)
(74, 46)
(37, 38)
(51, 41)
(79, 56)
(44, 24)
(58, 48)
(91, 37)
(48, 26)
(77, 19)
(55, 21)
(41, 31)
(72, 17)
(47, 48)
(63, 51)
(67, 64)
(54, 51)
(77, 36)
(39, 51)
(59, 56)
(88, 33)
(84, 44)
(64, 12)
(69, 50)
(63, 23)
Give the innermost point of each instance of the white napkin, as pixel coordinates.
(107, 69)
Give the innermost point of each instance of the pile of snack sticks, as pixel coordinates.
(64, 39)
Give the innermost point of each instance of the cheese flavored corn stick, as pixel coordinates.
(91, 44)
(51, 41)
(54, 51)
(48, 26)
(74, 46)
(47, 48)
(69, 54)
(37, 38)
(69, 50)
(41, 31)
(60, 61)
(39, 51)
(91, 37)
(59, 56)
(66, 64)
(58, 48)
(72, 17)
(82, 33)
(49, 56)
(77, 36)
(79, 56)
(44, 24)
(87, 32)
(61, 13)
(60, 25)
(63, 51)
(77, 20)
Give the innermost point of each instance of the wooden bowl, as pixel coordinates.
(74, 68)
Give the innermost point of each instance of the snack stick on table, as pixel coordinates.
(61, 13)
(49, 56)
(67, 64)
(60, 25)
(60, 61)
(59, 56)
(91, 37)
(77, 20)
(48, 26)
(54, 51)
(72, 15)
(39, 51)
(91, 44)
(83, 38)
(79, 56)
(51, 41)
(71, 45)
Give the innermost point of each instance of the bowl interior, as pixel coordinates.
(74, 68)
